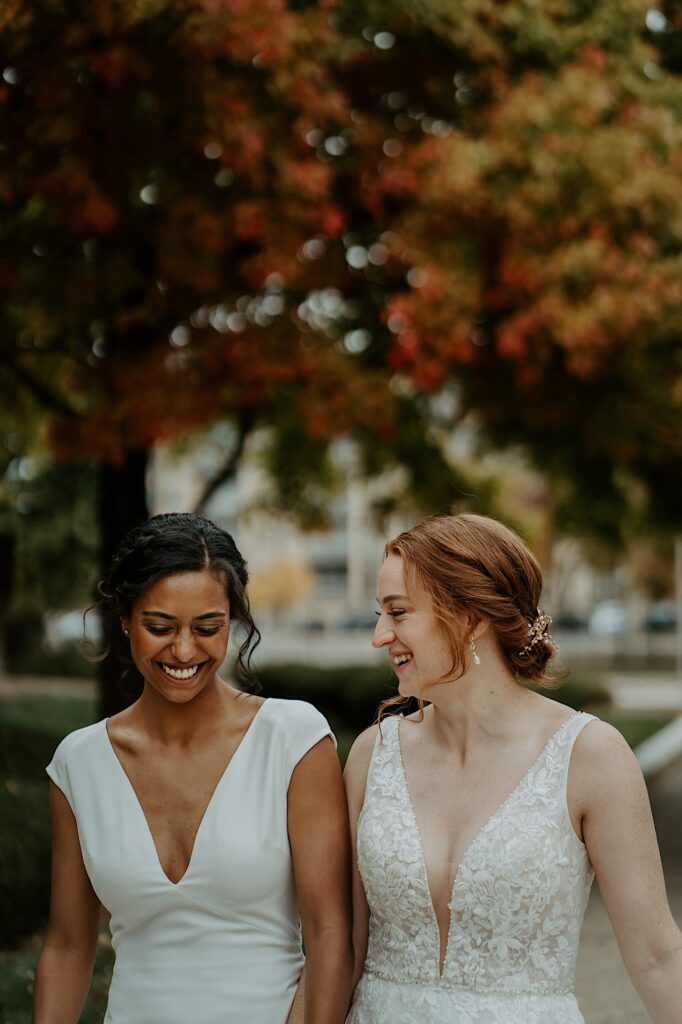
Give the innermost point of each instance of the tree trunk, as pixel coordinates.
(122, 504)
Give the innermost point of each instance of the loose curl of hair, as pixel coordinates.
(166, 545)
(473, 565)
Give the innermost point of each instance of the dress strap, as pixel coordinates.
(576, 724)
(387, 739)
(567, 737)
(383, 754)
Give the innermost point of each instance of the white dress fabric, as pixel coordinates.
(222, 945)
(517, 903)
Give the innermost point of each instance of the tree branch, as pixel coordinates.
(45, 396)
(229, 468)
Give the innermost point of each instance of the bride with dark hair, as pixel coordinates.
(206, 820)
(481, 819)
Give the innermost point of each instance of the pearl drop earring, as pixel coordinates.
(474, 652)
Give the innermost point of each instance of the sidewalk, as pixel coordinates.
(646, 691)
(46, 686)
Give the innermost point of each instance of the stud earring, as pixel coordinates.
(125, 632)
(474, 652)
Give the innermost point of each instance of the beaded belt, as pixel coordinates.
(450, 986)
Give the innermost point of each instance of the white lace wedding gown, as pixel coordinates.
(516, 910)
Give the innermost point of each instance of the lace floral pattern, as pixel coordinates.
(516, 911)
(380, 1002)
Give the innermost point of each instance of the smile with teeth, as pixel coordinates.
(180, 673)
(401, 659)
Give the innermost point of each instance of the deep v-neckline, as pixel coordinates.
(501, 807)
(138, 803)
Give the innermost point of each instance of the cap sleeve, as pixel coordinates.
(58, 768)
(305, 727)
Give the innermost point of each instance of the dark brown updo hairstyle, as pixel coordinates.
(472, 564)
(166, 545)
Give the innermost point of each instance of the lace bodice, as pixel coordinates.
(519, 896)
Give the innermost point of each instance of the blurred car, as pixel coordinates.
(570, 622)
(609, 618)
(661, 617)
(313, 626)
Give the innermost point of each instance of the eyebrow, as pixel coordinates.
(172, 618)
(393, 597)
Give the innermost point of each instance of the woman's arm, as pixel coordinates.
(355, 776)
(64, 967)
(606, 784)
(318, 833)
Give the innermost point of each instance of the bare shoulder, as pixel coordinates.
(357, 768)
(600, 744)
(357, 764)
(602, 765)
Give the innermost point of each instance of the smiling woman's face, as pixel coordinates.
(410, 630)
(179, 630)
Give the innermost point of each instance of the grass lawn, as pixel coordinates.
(55, 715)
(30, 729)
(16, 984)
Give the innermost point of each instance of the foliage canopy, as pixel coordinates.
(367, 219)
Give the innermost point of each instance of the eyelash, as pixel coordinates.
(201, 630)
(395, 613)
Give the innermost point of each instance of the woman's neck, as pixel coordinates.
(486, 704)
(179, 724)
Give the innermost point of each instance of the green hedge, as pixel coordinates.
(17, 968)
(349, 697)
(24, 859)
(30, 729)
(67, 661)
(22, 634)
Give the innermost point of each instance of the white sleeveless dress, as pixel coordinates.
(516, 910)
(222, 945)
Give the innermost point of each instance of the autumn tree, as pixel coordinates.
(156, 170)
(168, 189)
(379, 220)
(544, 246)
